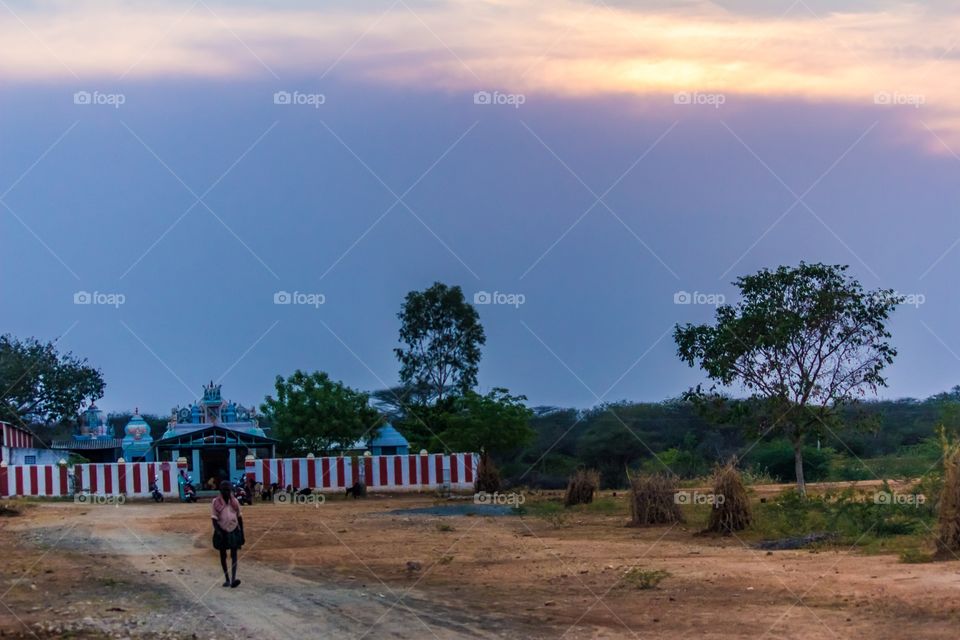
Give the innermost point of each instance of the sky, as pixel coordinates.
(195, 191)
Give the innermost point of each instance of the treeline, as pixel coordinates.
(674, 434)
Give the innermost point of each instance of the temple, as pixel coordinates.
(94, 439)
(214, 436)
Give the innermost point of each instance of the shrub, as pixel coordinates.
(948, 534)
(639, 578)
(488, 478)
(776, 458)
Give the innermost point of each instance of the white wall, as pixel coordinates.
(43, 456)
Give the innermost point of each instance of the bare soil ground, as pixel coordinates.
(366, 568)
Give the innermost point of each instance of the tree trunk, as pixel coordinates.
(798, 467)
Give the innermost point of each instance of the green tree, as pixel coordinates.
(803, 341)
(494, 423)
(442, 336)
(41, 385)
(313, 414)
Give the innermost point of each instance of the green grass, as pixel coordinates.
(640, 578)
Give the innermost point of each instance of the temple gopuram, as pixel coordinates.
(214, 436)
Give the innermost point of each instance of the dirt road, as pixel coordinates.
(374, 568)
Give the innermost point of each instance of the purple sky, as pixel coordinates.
(493, 197)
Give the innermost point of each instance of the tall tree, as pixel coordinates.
(313, 414)
(442, 335)
(804, 341)
(41, 385)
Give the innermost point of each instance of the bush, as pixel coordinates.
(488, 478)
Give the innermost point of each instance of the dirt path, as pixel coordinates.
(269, 603)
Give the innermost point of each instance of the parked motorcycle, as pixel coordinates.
(241, 493)
(187, 491)
(155, 492)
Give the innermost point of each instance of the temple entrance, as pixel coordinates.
(214, 463)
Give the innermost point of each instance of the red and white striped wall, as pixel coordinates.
(34, 480)
(131, 479)
(380, 473)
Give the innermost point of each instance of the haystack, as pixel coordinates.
(948, 535)
(653, 500)
(731, 507)
(488, 477)
(581, 487)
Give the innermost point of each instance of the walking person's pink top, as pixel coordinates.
(225, 513)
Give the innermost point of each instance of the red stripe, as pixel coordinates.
(383, 471)
(312, 473)
(325, 472)
(48, 479)
(122, 478)
(412, 467)
(296, 473)
(265, 472)
(424, 470)
(397, 470)
(19, 475)
(454, 468)
(107, 479)
(93, 479)
(281, 474)
(438, 461)
(368, 470)
(341, 473)
(468, 467)
(137, 482)
(64, 483)
(3, 482)
(167, 477)
(34, 480)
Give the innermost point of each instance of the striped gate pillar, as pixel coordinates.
(250, 467)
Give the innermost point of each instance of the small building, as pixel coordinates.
(17, 447)
(94, 439)
(214, 436)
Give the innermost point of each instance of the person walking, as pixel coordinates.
(227, 531)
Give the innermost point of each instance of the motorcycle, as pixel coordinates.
(241, 493)
(155, 491)
(187, 492)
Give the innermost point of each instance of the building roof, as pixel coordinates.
(86, 445)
